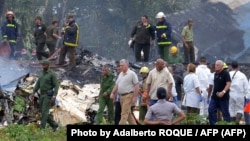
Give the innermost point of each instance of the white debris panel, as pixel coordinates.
(74, 101)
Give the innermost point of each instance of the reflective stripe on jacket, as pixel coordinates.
(71, 36)
(10, 31)
(164, 29)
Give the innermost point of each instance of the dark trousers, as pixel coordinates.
(189, 53)
(71, 55)
(40, 52)
(247, 118)
(44, 106)
(117, 112)
(152, 101)
(142, 47)
(13, 50)
(215, 104)
(51, 46)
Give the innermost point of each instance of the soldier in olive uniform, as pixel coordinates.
(106, 83)
(48, 85)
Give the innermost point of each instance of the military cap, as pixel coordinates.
(45, 62)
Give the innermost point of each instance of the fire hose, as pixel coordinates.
(38, 64)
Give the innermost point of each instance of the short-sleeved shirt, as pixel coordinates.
(127, 81)
(191, 97)
(156, 111)
(188, 33)
(49, 33)
(239, 85)
(158, 79)
(220, 80)
(175, 59)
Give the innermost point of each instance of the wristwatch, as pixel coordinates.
(224, 91)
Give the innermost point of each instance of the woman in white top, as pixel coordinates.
(192, 97)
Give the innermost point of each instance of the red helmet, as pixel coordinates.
(9, 13)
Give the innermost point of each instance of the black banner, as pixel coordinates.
(178, 132)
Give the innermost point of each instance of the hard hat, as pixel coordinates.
(144, 70)
(9, 13)
(160, 15)
(225, 66)
(173, 49)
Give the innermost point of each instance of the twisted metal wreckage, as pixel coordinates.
(75, 104)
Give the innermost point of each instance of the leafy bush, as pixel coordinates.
(31, 133)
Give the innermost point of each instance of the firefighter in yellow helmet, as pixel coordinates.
(174, 56)
(144, 99)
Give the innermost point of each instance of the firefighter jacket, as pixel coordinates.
(163, 31)
(10, 31)
(143, 33)
(71, 35)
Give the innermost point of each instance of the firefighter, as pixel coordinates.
(174, 57)
(10, 32)
(144, 99)
(70, 42)
(163, 32)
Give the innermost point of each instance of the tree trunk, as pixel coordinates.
(2, 7)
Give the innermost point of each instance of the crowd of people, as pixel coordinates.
(47, 85)
(165, 89)
(145, 37)
(45, 36)
(214, 92)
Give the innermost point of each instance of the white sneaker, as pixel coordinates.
(5, 123)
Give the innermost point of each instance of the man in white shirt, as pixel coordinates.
(203, 74)
(238, 89)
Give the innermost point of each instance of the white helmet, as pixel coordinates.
(160, 15)
(9, 13)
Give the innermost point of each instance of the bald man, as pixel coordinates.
(159, 77)
(220, 94)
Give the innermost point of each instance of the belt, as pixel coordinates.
(127, 93)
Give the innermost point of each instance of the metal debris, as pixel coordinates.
(74, 102)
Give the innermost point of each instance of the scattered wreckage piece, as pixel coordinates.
(74, 102)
